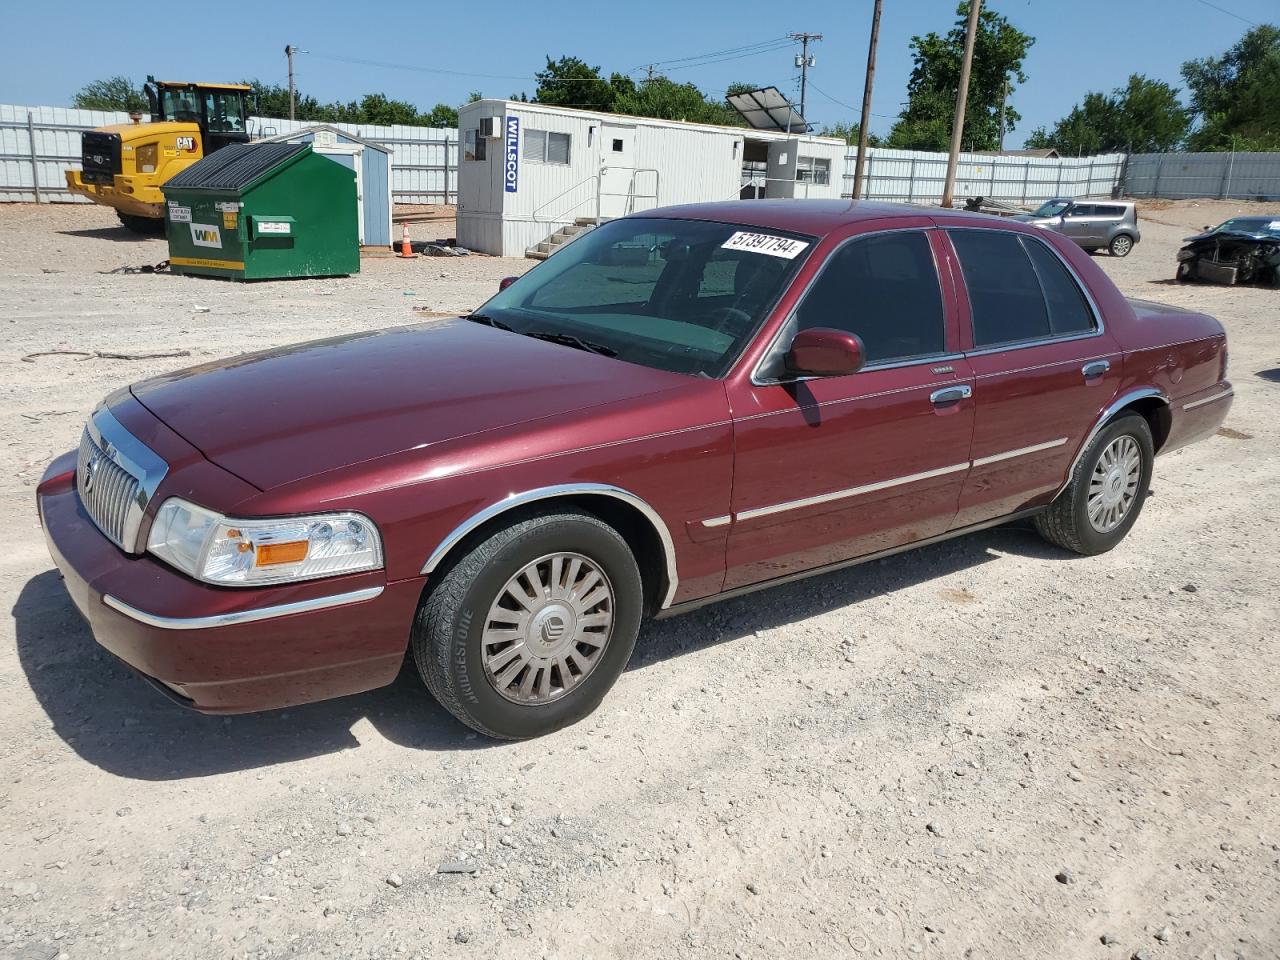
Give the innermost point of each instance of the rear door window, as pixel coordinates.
(1019, 291)
(884, 288)
(1068, 310)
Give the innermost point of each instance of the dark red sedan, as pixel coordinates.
(678, 407)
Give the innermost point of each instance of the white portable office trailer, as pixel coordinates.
(529, 172)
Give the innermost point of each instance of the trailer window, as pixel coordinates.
(545, 146)
(473, 146)
(813, 170)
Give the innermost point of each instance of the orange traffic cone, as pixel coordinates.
(406, 250)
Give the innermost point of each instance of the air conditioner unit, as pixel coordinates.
(491, 128)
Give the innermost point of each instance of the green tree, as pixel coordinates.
(441, 115)
(848, 132)
(999, 49)
(668, 100)
(1144, 116)
(571, 82)
(272, 100)
(114, 93)
(739, 86)
(1236, 97)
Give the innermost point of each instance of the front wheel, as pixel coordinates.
(1104, 496)
(1121, 245)
(529, 629)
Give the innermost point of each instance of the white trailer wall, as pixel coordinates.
(615, 165)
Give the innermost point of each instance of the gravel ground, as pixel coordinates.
(986, 748)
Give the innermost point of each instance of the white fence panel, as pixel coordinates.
(424, 160)
(1180, 176)
(915, 176)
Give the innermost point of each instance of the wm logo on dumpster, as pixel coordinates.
(205, 235)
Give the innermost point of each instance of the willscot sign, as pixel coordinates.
(511, 166)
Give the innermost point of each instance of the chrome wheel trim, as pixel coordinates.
(1121, 246)
(1113, 485)
(547, 629)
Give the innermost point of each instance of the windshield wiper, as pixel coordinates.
(569, 340)
(487, 321)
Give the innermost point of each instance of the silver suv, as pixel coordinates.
(1093, 224)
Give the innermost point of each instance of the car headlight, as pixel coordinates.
(238, 552)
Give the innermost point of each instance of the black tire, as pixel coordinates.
(1066, 522)
(447, 631)
(1183, 273)
(1121, 245)
(147, 226)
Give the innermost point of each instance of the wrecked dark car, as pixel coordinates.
(1241, 250)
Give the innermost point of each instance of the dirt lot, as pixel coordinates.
(892, 761)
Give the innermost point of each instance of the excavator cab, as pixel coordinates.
(220, 110)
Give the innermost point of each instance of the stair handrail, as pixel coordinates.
(559, 218)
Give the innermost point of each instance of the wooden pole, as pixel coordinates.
(866, 102)
(962, 100)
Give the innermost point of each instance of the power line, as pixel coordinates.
(1214, 6)
(741, 56)
(713, 53)
(848, 106)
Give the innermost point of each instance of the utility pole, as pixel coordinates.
(804, 62)
(962, 99)
(866, 102)
(289, 51)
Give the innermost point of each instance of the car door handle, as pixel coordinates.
(1095, 369)
(951, 394)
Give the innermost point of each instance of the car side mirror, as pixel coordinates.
(824, 352)
(506, 282)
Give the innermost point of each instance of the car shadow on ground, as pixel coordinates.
(113, 719)
(1272, 375)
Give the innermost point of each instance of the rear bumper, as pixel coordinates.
(224, 650)
(118, 194)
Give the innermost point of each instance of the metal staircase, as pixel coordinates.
(562, 236)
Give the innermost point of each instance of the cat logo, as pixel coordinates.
(186, 143)
(206, 235)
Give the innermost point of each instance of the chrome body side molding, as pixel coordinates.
(550, 493)
(1020, 452)
(240, 616)
(848, 492)
(1221, 395)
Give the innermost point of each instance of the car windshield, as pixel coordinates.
(1052, 208)
(1267, 225)
(677, 295)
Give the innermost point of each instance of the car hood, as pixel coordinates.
(286, 414)
(1233, 235)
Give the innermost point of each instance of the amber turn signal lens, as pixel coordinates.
(272, 554)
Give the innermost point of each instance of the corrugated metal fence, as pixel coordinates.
(912, 176)
(38, 143)
(1178, 176)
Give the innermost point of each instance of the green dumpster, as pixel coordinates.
(255, 211)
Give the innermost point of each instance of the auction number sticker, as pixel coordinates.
(765, 243)
(179, 214)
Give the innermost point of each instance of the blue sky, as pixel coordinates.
(496, 46)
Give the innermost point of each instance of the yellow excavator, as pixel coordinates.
(124, 164)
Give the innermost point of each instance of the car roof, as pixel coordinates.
(814, 217)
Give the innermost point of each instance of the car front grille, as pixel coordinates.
(107, 491)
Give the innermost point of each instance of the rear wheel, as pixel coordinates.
(148, 226)
(1107, 488)
(1121, 245)
(528, 630)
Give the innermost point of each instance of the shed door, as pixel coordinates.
(618, 190)
(349, 157)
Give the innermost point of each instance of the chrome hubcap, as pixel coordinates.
(1114, 484)
(548, 628)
